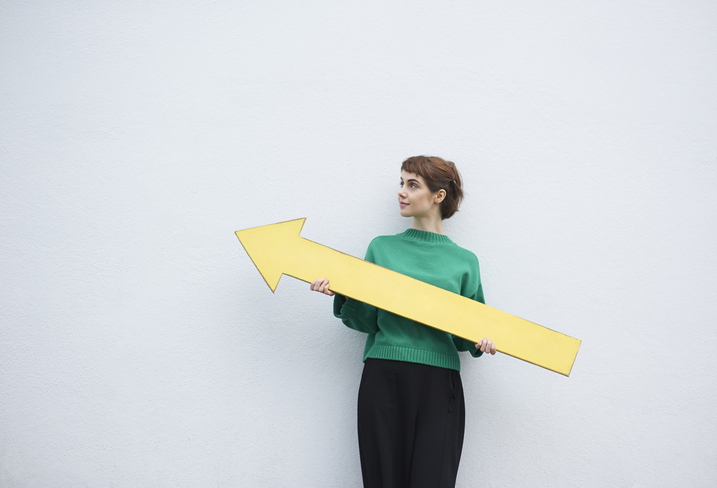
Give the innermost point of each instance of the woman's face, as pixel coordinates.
(415, 199)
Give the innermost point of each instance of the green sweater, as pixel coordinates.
(425, 256)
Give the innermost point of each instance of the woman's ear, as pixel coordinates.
(440, 195)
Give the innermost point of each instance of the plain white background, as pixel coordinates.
(139, 346)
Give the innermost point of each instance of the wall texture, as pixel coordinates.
(140, 347)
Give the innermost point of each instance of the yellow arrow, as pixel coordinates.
(278, 249)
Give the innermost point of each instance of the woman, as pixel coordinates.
(411, 413)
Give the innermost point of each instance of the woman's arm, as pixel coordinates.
(354, 314)
(474, 291)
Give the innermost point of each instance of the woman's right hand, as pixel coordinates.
(486, 345)
(322, 286)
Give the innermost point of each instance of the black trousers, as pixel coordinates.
(411, 419)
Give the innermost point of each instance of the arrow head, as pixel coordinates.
(268, 246)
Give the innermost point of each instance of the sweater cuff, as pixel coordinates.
(476, 353)
(344, 307)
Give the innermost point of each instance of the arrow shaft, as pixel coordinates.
(442, 309)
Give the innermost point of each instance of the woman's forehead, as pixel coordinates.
(406, 176)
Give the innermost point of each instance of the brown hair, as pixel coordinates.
(438, 174)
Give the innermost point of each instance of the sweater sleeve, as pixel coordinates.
(474, 291)
(355, 314)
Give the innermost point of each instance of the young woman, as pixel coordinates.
(411, 412)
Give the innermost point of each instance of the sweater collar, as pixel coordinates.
(425, 236)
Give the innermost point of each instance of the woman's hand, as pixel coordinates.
(322, 286)
(485, 345)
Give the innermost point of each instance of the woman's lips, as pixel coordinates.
(403, 204)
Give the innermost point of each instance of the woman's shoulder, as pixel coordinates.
(381, 240)
(466, 254)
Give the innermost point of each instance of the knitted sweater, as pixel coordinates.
(425, 256)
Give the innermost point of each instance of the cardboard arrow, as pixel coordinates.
(277, 249)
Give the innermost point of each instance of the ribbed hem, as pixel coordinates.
(425, 236)
(419, 356)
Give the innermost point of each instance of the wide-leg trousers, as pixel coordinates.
(411, 420)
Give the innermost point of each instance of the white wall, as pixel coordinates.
(139, 346)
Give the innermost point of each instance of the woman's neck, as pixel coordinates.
(428, 223)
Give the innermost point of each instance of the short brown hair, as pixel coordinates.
(438, 174)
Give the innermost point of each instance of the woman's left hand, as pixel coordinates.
(486, 345)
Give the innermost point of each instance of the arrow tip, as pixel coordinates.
(266, 245)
